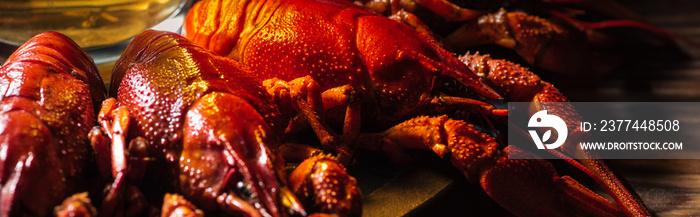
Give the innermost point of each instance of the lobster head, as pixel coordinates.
(211, 118)
(227, 144)
(388, 65)
(409, 73)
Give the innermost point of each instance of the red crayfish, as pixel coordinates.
(202, 126)
(551, 34)
(348, 64)
(50, 90)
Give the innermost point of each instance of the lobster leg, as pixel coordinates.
(528, 187)
(444, 8)
(473, 105)
(114, 121)
(109, 143)
(313, 103)
(518, 84)
(101, 145)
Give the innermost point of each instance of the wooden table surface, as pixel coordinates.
(668, 187)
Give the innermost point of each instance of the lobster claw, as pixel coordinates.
(530, 87)
(510, 180)
(291, 203)
(232, 134)
(588, 161)
(323, 185)
(525, 187)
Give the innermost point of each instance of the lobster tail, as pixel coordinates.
(61, 52)
(49, 91)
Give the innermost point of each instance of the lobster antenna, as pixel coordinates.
(628, 23)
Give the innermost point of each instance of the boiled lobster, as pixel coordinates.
(49, 91)
(545, 34)
(210, 132)
(342, 47)
(347, 64)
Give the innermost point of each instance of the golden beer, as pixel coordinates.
(90, 23)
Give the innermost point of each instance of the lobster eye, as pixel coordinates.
(245, 190)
